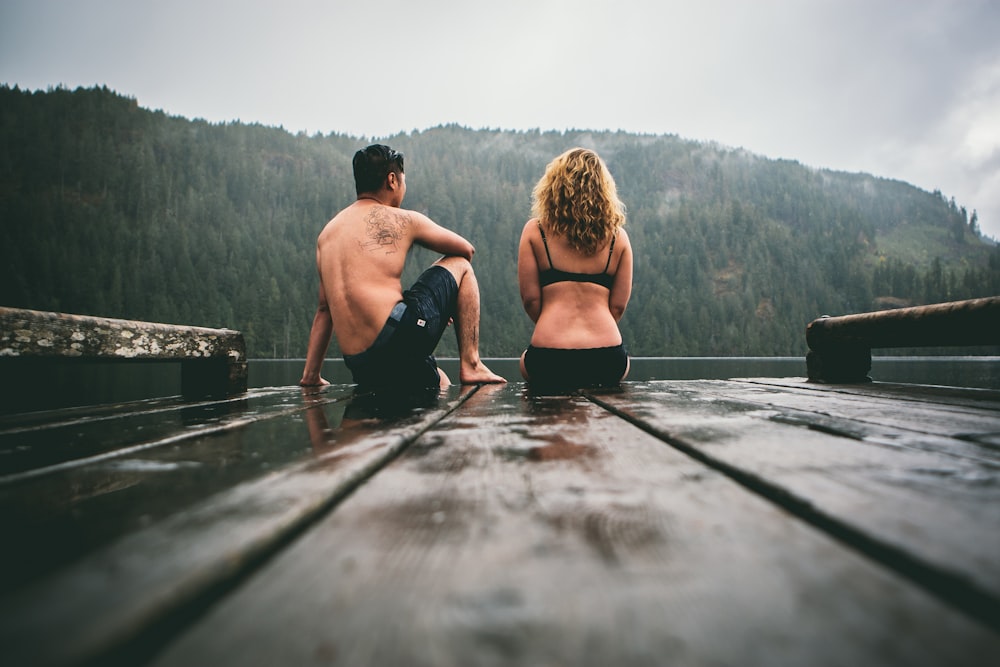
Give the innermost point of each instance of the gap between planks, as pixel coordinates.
(957, 591)
(120, 604)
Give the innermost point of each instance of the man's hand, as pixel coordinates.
(316, 381)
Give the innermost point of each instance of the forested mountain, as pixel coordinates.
(110, 209)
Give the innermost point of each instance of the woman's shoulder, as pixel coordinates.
(530, 228)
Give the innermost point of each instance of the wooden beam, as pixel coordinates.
(840, 347)
(113, 604)
(213, 361)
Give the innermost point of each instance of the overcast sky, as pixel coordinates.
(906, 89)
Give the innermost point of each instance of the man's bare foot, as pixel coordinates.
(479, 374)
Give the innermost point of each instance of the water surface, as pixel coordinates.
(959, 371)
(28, 386)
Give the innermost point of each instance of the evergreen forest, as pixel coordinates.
(110, 209)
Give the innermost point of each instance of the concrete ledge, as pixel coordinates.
(840, 347)
(214, 361)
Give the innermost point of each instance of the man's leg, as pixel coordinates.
(472, 369)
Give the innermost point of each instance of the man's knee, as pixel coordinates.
(458, 266)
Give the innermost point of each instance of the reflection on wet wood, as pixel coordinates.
(759, 521)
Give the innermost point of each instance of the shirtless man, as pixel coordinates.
(387, 336)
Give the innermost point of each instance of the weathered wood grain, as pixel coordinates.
(923, 511)
(957, 396)
(115, 601)
(948, 398)
(840, 347)
(888, 419)
(969, 322)
(54, 443)
(55, 514)
(545, 531)
(214, 360)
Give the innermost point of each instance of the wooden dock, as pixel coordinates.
(739, 522)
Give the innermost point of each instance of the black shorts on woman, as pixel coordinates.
(552, 368)
(401, 357)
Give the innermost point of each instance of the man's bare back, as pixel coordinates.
(360, 256)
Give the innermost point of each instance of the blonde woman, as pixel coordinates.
(574, 269)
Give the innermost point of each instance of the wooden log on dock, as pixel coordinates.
(840, 347)
(213, 361)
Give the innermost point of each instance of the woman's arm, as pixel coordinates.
(621, 290)
(527, 274)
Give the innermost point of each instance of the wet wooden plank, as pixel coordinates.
(951, 400)
(115, 598)
(57, 440)
(42, 417)
(883, 418)
(955, 396)
(525, 530)
(923, 511)
(965, 413)
(57, 513)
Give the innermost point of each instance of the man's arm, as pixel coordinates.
(433, 236)
(319, 342)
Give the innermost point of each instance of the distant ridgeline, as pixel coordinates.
(113, 210)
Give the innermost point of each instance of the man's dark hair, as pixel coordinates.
(373, 164)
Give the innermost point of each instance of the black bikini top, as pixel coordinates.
(554, 275)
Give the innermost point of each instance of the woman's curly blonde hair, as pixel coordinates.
(577, 198)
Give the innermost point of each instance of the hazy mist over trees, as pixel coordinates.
(113, 210)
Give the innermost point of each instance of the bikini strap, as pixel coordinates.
(546, 242)
(610, 250)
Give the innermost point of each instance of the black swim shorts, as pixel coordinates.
(402, 354)
(558, 369)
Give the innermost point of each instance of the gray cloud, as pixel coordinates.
(902, 90)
